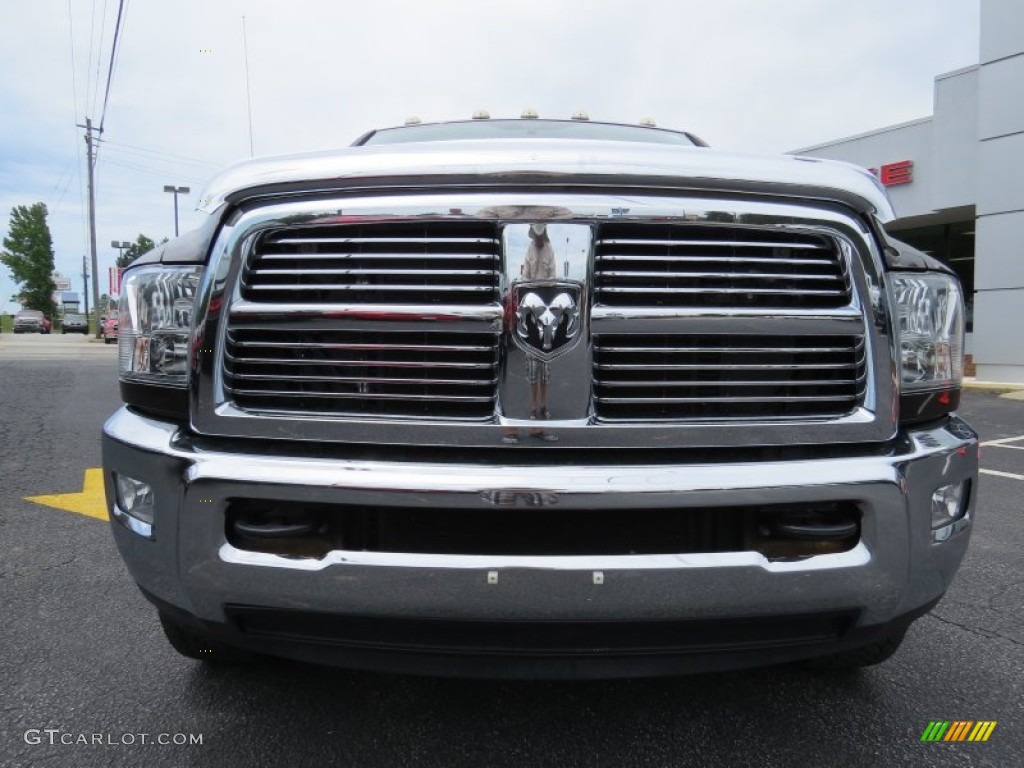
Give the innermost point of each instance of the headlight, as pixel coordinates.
(930, 337)
(155, 323)
(930, 330)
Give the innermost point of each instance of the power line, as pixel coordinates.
(135, 155)
(63, 182)
(99, 61)
(74, 95)
(117, 145)
(71, 40)
(113, 57)
(88, 63)
(147, 169)
(248, 90)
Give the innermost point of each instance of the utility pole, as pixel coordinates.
(92, 213)
(85, 285)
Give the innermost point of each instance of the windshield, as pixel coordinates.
(526, 129)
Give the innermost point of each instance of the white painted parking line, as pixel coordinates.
(1007, 445)
(997, 473)
(1003, 440)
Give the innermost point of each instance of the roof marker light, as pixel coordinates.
(481, 114)
(412, 120)
(580, 114)
(529, 114)
(648, 122)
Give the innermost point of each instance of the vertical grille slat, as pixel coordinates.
(651, 265)
(681, 377)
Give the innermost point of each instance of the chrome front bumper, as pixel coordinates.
(899, 566)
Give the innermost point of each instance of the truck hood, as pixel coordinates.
(495, 163)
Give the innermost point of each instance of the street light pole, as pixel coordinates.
(176, 191)
(121, 246)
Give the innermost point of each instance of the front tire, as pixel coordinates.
(195, 645)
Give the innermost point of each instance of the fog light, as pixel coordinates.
(134, 504)
(949, 504)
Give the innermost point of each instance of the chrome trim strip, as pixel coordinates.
(674, 258)
(305, 271)
(717, 244)
(708, 289)
(717, 275)
(377, 241)
(744, 383)
(374, 312)
(732, 350)
(356, 363)
(361, 396)
(373, 288)
(320, 256)
(858, 556)
(722, 367)
(723, 399)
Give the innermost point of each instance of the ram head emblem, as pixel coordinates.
(547, 318)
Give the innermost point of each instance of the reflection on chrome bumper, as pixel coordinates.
(897, 566)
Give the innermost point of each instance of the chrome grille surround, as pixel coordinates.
(228, 315)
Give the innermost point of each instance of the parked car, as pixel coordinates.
(109, 327)
(75, 323)
(541, 398)
(32, 321)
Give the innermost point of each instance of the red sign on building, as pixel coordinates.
(891, 174)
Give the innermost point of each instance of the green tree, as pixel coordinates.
(28, 253)
(141, 245)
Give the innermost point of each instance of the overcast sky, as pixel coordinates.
(757, 75)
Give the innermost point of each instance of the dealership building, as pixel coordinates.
(956, 180)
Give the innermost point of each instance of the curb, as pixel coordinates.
(1005, 390)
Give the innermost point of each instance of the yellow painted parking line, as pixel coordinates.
(90, 501)
(997, 473)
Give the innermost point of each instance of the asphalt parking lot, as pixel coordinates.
(81, 654)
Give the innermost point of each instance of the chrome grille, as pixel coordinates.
(686, 377)
(363, 373)
(396, 263)
(645, 265)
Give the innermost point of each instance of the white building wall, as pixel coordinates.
(999, 301)
(944, 149)
(955, 139)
